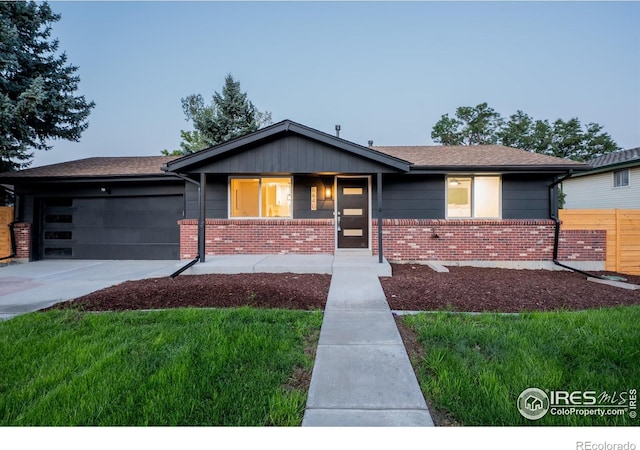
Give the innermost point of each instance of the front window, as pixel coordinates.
(621, 178)
(260, 197)
(473, 197)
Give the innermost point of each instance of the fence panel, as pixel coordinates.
(6, 217)
(623, 234)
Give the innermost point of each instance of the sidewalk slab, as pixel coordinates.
(359, 328)
(356, 289)
(368, 262)
(367, 418)
(364, 377)
(224, 264)
(296, 264)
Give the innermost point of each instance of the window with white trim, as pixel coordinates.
(260, 197)
(621, 178)
(471, 197)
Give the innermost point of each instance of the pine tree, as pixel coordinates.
(37, 86)
(230, 115)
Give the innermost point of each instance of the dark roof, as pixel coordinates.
(476, 156)
(97, 167)
(615, 158)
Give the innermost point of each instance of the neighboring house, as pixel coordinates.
(288, 188)
(613, 182)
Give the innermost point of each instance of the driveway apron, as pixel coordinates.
(362, 375)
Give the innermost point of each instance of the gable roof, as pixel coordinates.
(280, 129)
(478, 157)
(96, 167)
(615, 158)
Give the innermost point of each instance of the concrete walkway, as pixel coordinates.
(362, 375)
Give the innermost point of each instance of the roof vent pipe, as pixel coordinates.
(370, 143)
(337, 130)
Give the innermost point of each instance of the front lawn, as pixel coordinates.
(232, 367)
(474, 367)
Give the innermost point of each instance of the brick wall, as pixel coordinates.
(403, 239)
(484, 240)
(22, 232)
(228, 237)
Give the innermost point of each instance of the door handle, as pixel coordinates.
(338, 221)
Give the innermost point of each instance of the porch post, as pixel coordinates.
(379, 189)
(202, 217)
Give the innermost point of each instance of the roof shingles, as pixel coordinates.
(97, 167)
(472, 156)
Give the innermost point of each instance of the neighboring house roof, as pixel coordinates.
(477, 156)
(96, 167)
(615, 158)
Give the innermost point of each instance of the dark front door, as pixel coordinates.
(353, 212)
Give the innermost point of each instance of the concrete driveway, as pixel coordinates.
(33, 286)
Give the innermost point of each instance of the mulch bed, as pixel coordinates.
(260, 290)
(412, 288)
(473, 289)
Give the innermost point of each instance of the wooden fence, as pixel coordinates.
(623, 234)
(6, 217)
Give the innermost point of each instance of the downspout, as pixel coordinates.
(197, 258)
(553, 211)
(12, 233)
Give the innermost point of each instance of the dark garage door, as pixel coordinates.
(111, 227)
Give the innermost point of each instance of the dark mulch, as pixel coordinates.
(418, 288)
(412, 288)
(261, 290)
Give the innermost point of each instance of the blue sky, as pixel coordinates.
(384, 71)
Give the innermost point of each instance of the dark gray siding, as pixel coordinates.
(525, 196)
(302, 198)
(292, 154)
(217, 192)
(410, 197)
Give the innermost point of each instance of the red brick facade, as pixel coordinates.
(228, 237)
(485, 240)
(23, 240)
(403, 239)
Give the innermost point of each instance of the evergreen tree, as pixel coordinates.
(230, 115)
(37, 86)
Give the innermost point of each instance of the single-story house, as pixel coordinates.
(613, 182)
(288, 188)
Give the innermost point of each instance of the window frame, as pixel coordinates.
(472, 196)
(260, 179)
(615, 178)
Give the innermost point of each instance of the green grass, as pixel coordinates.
(176, 367)
(475, 366)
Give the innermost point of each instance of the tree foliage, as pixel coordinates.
(483, 125)
(37, 86)
(230, 115)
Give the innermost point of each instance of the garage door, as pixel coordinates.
(111, 227)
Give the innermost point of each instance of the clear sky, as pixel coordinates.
(384, 71)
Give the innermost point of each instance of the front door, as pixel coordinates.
(352, 212)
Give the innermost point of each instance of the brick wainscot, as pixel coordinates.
(403, 239)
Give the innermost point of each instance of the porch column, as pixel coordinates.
(202, 216)
(379, 189)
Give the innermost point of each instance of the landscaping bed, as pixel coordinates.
(412, 288)
(260, 290)
(418, 288)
